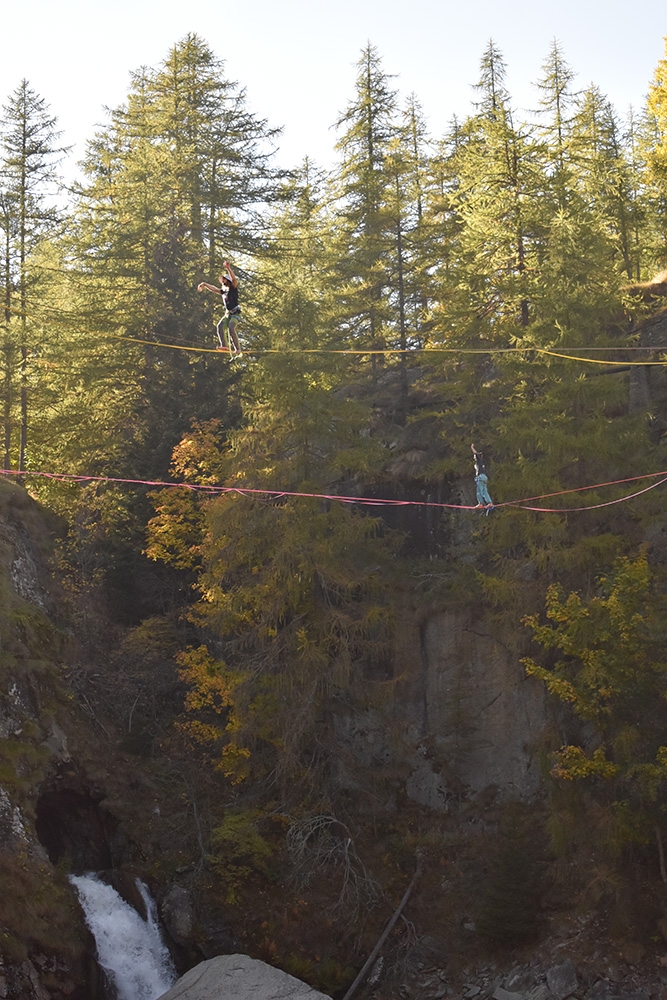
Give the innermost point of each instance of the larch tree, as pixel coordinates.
(499, 229)
(173, 183)
(174, 180)
(586, 242)
(294, 590)
(557, 115)
(603, 177)
(656, 107)
(487, 199)
(416, 144)
(29, 144)
(367, 128)
(652, 144)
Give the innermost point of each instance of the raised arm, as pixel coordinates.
(232, 276)
(204, 286)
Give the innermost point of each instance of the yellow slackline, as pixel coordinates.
(325, 350)
(397, 350)
(599, 361)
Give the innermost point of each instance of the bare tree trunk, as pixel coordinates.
(7, 347)
(368, 964)
(401, 306)
(661, 854)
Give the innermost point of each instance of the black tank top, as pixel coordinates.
(230, 296)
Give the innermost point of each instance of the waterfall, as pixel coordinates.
(129, 949)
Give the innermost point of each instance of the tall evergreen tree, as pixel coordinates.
(423, 243)
(603, 176)
(557, 100)
(368, 127)
(28, 139)
(500, 230)
(175, 180)
(653, 152)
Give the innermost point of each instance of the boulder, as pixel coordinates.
(562, 979)
(238, 977)
(500, 994)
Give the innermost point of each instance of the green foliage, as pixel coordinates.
(300, 596)
(27, 172)
(611, 667)
(606, 660)
(513, 883)
(241, 851)
(505, 234)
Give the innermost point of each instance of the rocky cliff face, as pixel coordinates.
(460, 725)
(42, 938)
(464, 723)
(476, 718)
(466, 720)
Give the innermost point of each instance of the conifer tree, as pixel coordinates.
(603, 177)
(424, 250)
(586, 230)
(369, 126)
(640, 216)
(294, 591)
(172, 183)
(652, 136)
(657, 112)
(28, 139)
(442, 227)
(410, 243)
(499, 230)
(8, 228)
(557, 99)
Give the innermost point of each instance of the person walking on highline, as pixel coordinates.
(481, 480)
(226, 328)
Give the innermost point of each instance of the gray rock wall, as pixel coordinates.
(463, 722)
(481, 718)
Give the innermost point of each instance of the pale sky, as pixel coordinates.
(295, 58)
